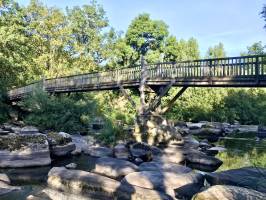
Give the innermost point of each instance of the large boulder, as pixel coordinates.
(212, 134)
(175, 185)
(141, 150)
(81, 185)
(164, 167)
(121, 151)
(62, 150)
(171, 154)
(24, 150)
(79, 182)
(114, 168)
(250, 177)
(225, 192)
(60, 144)
(201, 161)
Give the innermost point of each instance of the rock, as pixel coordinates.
(198, 159)
(60, 138)
(82, 185)
(3, 132)
(121, 151)
(83, 142)
(124, 192)
(247, 129)
(24, 150)
(190, 143)
(171, 154)
(28, 175)
(11, 128)
(4, 178)
(113, 167)
(60, 144)
(204, 132)
(195, 126)
(141, 150)
(180, 185)
(164, 167)
(138, 161)
(71, 166)
(29, 130)
(225, 192)
(81, 182)
(7, 191)
(132, 192)
(205, 145)
(250, 177)
(211, 151)
(62, 150)
(99, 152)
(76, 152)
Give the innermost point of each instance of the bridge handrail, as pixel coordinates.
(219, 67)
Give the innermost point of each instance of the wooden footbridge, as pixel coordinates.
(245, 71)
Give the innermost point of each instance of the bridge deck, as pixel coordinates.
(246, 71)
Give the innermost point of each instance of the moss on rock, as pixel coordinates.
(16, 142)
(58, 138)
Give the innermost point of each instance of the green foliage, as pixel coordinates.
(61, 113)
(3, 107)
(145, 31)
(244, 105)
(180, 50)
(217, 51)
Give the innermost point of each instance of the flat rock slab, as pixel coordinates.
(29, 150)
(225, 192)
(82, 185)
(164, 167)
(201, 161)
(99, 151)
(77, 182)
(113, 167)
(250, 177)
(62, 150)
(29, 130)
(181, 185)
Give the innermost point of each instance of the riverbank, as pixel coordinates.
(129, 170)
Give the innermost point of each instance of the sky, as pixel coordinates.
(235, 23)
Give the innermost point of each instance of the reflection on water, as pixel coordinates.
(242, 152)
(34, 179)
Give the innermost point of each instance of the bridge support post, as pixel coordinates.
(171, 103)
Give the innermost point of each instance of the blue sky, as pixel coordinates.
(236, 23)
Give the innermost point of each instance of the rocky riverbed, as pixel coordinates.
(62, 166)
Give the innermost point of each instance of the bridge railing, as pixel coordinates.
(242, 67)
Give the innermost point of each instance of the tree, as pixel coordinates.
(217, 51)
(16, 50)
(180, 50)
(145, 30)
(86, 25)
(256, 49)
